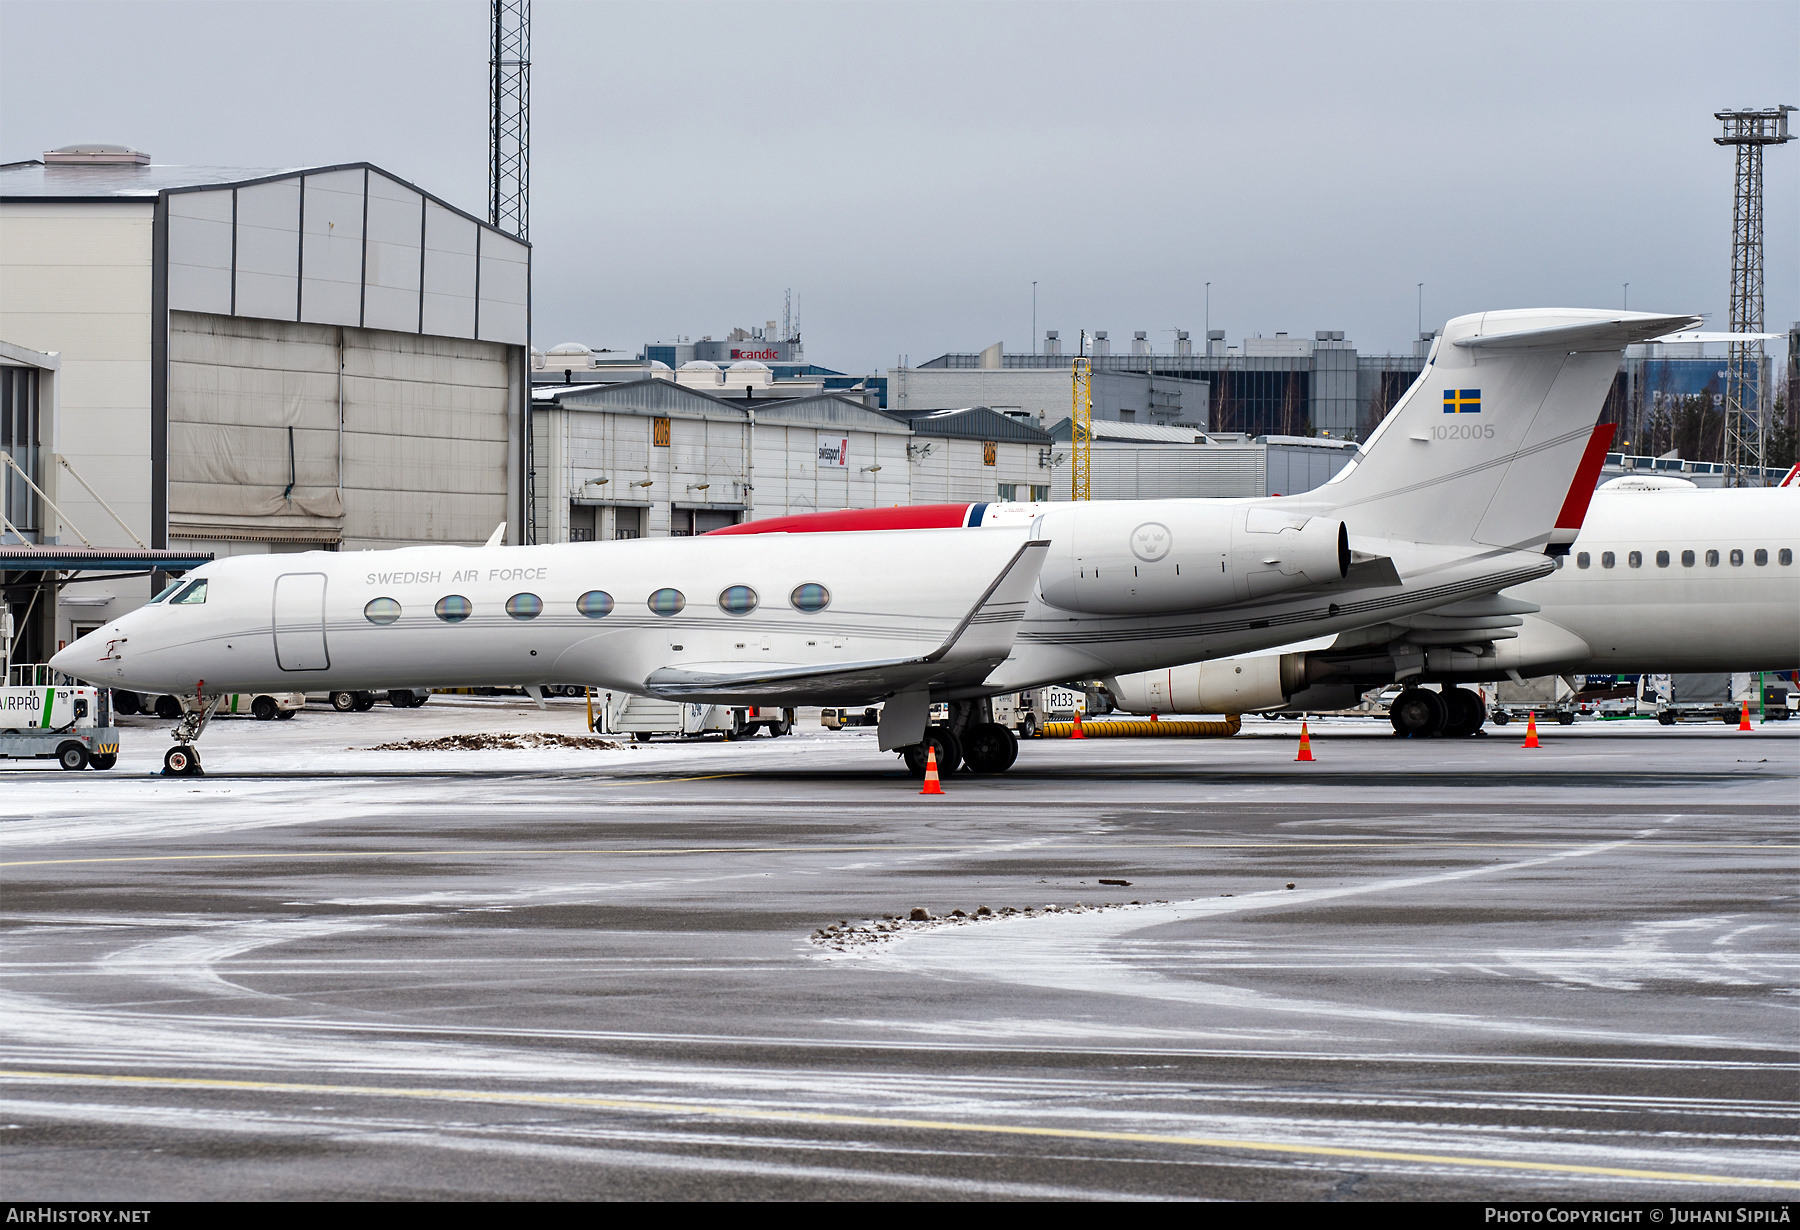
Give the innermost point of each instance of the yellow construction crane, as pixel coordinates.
(1081, 427)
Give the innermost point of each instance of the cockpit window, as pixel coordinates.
(170, 588)
(195, 592)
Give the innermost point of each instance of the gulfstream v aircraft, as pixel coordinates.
(1458, 494)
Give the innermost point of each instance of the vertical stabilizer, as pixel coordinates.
(1487, 443)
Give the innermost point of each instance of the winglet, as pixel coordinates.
(494, 539)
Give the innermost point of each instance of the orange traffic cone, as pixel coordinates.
(1531, 730)
(1744, 722)
(1305, 746)
(1076, 732)
(932, 785)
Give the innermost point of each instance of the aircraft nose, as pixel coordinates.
(66, 660)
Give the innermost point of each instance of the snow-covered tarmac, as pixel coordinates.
(324, 970)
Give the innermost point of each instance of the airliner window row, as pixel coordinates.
(1635, 559)
(810, 598)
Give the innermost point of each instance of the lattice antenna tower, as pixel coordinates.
(509, 111)
(1749, 131)
(1081, 428)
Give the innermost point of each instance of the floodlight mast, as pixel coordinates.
(1749, 131)
(509, 128)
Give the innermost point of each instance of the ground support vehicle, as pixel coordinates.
(73, 724)
(1026, 712)
(1703, 698)
(838, 719)
(642, 718)
(1548, 696)
(1778, 702)
(747, 720)
(263, 706)
(362, 702)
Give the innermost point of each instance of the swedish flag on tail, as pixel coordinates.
(1462, 401)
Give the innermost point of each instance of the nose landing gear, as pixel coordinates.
(183, 760)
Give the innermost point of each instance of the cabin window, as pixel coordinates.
(1785, 556)
(810, 597)
(1662, 559)
(595, 604)
(667, 602)
(1712, 559)
(738, 600)
(524, 606)
(1761, 557)
(194, 593)
(1687, 559)
(1582, 559)
(381, 611)
(1737, 557)
(1608, 559)
(1635, 559)
(454, 609)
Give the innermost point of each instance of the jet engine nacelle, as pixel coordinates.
(1155, 556)
(1237, 685)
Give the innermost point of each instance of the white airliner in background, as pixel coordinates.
(1481, 468)
(1663, 578)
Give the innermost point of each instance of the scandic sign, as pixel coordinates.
(756, 354)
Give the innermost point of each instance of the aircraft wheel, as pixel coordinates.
(1466, 712)
(263, 708)
(990, 748)
(1419, 713)
(343, 702)
(72, 756)
(103, 760)
(181, 761)
(949, 752)
(168, 707)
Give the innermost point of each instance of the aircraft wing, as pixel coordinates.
(978, 643)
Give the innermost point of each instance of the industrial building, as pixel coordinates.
(1041, 393)
(256, 360)
(1261, 386)
(1138, 461)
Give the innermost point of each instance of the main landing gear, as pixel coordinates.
(183, 760)
(1424, 714)
(970, 740)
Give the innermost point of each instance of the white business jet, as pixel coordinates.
(1457, 495)
(1663, 578)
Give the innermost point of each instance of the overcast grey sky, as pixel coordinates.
(910, 169)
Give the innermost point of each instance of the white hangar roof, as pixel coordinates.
(338, 245)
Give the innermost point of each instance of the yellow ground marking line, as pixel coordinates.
(880, 1121)
(1396, 844)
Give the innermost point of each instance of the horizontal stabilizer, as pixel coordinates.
(1626, 329)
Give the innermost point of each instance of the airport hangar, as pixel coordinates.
(236, 360)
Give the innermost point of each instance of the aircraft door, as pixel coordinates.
(300, 622)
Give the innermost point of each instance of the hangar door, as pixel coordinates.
(300, 622)
(285, 431)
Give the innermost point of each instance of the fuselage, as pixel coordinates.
(611, 614)
(1676, 580)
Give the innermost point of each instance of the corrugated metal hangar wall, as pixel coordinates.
(343, 364)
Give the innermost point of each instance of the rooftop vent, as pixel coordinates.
(95, 153)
